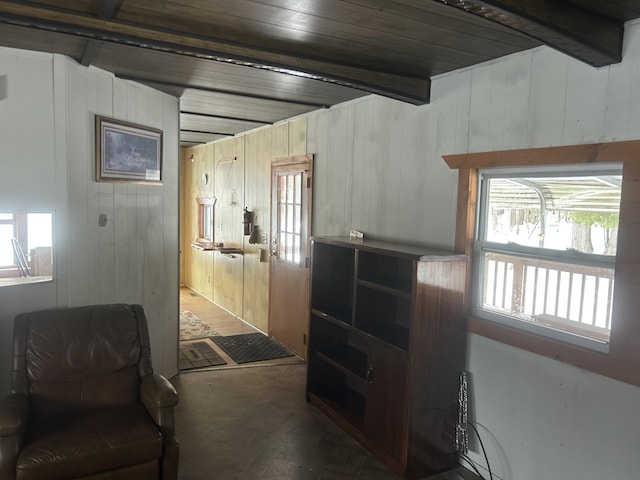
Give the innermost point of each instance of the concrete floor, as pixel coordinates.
(254, 423)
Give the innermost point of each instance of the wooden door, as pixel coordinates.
(291, 195)
(386, 403)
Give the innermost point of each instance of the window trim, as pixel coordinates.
(622, 361)
(20, 232)
(205, 204)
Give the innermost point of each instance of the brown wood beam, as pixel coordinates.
(405, 88)
(108, 9)
(224, 117)
(184, 86)
(578, 32)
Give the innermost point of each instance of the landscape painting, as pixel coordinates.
(126, 152)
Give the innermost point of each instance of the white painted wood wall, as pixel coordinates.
(379, 169)
(47, 164)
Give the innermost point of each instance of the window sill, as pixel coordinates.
(598, 362)
(6, 282)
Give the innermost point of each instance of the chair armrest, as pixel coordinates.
(157, 392)
(14, 412)
(159, 397)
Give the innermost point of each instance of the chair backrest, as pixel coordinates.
(69, 359)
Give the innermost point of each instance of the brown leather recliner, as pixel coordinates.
(84, 401)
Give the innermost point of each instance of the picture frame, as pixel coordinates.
(127, 152)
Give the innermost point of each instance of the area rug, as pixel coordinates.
(198, 355)
(192, 327)
(251, 347)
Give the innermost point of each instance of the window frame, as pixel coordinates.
(206, 216)
(622, 361)
(20, 232)
(532, 254)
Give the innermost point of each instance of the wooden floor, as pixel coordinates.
(208, 312)
(225, 324)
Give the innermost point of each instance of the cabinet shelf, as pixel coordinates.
(346, 359)
(339, 315)
(393, 335)
(344, 402)
(384, 289)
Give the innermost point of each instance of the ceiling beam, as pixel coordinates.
(165, 83)
(406, 88)
(208, 133)
(223, 117)
(578, 32)
(108, 9)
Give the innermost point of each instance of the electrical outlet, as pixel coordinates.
(264, 238)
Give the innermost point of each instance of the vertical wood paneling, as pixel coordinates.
(132, 259)
(517, 96)
(451, 125)
(547, 104)
(297, 136)
(585, 104)
(411, 169)
(259, 146)
(61, 252)
(618, 100)
(480, 103)
(200, 275)
(170, 230)
(78, 169)
(229, 181)
(390, 163)
(360, 171)
(634, 103)
(29, 123)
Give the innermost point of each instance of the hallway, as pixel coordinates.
(222, 323)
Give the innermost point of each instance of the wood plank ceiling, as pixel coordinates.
(237, 65)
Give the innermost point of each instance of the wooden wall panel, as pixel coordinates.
(198, 264)
(259, 146)
(29, 117)
(229, 189)
(297, 136)
(183, 215)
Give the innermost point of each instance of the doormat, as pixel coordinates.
(198, 355)
(251, 347)
(192, 327)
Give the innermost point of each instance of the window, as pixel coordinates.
(289, 216)
(545, 250)
(618, 360)
(26, 249)
(205, 219)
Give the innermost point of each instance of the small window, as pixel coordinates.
(205, 219)
(545, 250)
(26, 247)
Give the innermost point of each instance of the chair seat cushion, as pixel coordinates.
(91, 441)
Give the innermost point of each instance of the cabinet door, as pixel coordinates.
(386, 399)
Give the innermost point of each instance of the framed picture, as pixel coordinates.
(126, 152)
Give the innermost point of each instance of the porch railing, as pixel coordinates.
(574, 298)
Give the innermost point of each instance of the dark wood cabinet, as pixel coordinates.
(386, 346)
